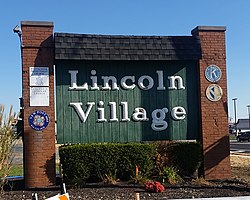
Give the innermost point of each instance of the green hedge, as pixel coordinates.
(185, 156)
(85, 162)
(91, 162)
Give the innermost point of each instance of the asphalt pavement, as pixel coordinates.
(239, 147)
(17, 157)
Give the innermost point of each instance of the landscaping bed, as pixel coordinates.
(239, 185)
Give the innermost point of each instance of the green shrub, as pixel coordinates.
(110, 162)
(170, 175)
(94, 162)
(186, 157)
(131, 155)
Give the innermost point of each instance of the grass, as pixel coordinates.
(16, 170)
(232, 137)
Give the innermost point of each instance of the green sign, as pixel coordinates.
(126, 101)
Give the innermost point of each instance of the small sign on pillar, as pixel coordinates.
(39, 76)
(39, 82)
(39, 96)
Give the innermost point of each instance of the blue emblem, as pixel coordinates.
(214, 92)
(213, 73)
(38, 120)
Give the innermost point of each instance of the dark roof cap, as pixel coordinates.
(36, 23)
(119, 47)
(208, 29)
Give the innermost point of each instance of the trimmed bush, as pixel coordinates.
(96, 162)
(92, 162)
(185, 156)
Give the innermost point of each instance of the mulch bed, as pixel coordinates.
(124, 190)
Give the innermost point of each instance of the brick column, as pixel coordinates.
(214, 114)
(39, 146)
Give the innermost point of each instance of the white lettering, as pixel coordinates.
(78, 107)
(145, 82)
(160, 80)
(124, 106)
(73, 79)
(173, 80)
(178, 113)
(94, 80)
(127, 82)
(106, 80)
(140, 114)
(141, 84)
(124, 84)
(158, 116)
(100, 111)
(113, 117)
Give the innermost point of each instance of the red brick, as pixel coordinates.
(214, 117)
(36, 156)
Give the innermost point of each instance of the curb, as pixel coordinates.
(221, 198)
(241, 154)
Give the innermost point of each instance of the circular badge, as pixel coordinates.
(214, 92)
(213, 73)
(38, 120)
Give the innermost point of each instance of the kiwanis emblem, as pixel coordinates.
(213, 73)
(38, 120)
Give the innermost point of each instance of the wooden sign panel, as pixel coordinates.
(119, 101)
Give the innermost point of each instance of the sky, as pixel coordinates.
(130, 17)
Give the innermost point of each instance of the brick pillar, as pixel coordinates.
(39, 145)
(214, 114)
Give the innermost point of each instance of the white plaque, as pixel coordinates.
(39, 96)
(39, 76)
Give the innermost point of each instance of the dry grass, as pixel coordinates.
(202, 181)
(241, 167)
(7, 140)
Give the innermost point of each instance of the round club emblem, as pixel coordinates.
(214, 92)
(213, 73)
(38, 120)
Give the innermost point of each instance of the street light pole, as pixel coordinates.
(235, 120)
(248, 106)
